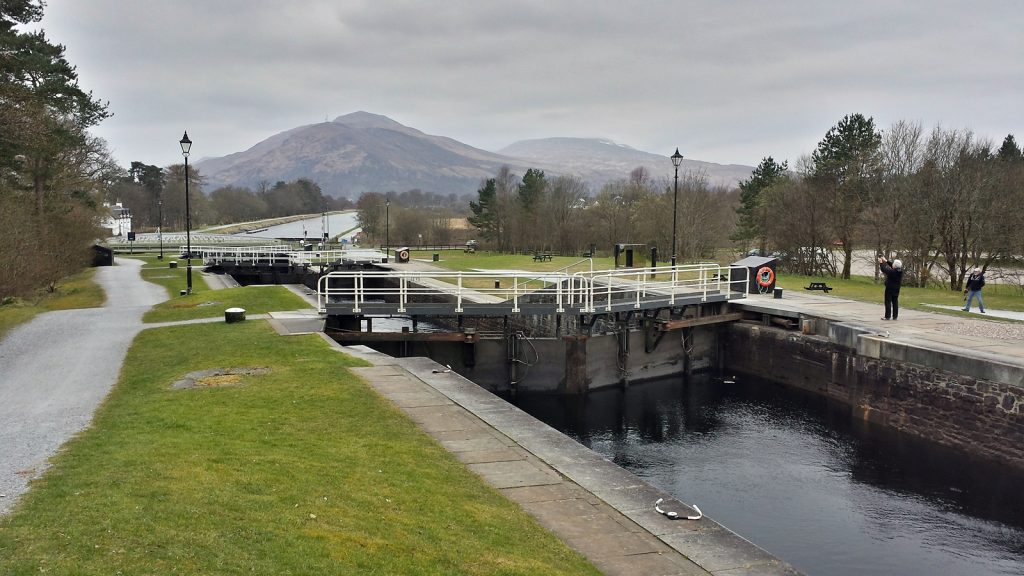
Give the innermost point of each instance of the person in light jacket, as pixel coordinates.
(893, 280)
(974, 283)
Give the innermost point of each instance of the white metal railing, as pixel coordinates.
(279, 255)
(586, 292)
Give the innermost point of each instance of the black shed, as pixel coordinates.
(760, 273)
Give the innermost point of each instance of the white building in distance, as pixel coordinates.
(119, 222)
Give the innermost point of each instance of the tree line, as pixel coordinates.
(559, 214)
(157, 195)
(942, 199)
(55, 176)
(50, 166)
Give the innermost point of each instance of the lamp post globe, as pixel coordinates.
(677, 159)
(186, 145)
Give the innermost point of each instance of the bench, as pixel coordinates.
(819, 286)
(542, 256)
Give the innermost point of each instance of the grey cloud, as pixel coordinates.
(728, 82)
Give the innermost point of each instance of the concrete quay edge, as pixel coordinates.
(916, 338)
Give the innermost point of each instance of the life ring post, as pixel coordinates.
(765, 278)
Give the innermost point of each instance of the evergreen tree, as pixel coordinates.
(484, 216)
(43, 111)
(844, 164)
(1009, 151)
(748, 226)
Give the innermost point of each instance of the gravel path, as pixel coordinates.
(55, 370)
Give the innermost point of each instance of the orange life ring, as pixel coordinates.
(765, 276)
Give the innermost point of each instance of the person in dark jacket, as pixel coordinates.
(893, 279)
(974, 283)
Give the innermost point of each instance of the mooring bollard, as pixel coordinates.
(234, 315)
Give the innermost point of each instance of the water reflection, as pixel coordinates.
(796, 474)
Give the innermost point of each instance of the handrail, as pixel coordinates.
(279, 254)
(583, 292)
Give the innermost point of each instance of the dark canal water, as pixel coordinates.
(796, 475)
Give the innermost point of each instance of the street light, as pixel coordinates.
(186, 145)
(387, 226)
(677, 159)
(160, 221)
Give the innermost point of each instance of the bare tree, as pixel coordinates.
(561, 213)
(901, 157)
(961, 185)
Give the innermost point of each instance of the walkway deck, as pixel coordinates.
(979, 338)
(399, 291)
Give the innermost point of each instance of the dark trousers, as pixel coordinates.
(892, 302)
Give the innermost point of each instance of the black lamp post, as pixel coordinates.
(186, 145)
(387, 226)
(160, 222)
(677, 159)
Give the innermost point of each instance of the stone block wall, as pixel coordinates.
(980, 416)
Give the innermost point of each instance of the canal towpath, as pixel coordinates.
(56, 369)
(979, 336)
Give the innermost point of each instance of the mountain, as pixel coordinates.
(356, 153)
(599, 161)
(363, 152)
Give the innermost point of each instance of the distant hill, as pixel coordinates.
(363, 152)
(599, 161)
(356, 153)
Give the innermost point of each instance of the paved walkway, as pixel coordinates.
(55, 371)
(977, 336)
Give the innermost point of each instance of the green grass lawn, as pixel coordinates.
(78, 291)
(301, 470)
(212, 303)
(864, 289)
(172, 279)
(459, 260)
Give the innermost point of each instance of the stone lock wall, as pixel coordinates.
(974, 407)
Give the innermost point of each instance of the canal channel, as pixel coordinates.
(797, 475)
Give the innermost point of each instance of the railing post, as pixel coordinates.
(403, 292)
(357, 288)
(458, 294)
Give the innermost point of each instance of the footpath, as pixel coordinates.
(975, 346)
(56, 369)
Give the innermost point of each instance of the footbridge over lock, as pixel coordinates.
(560, 330)
(282, 263)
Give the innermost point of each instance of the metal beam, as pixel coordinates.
(666, 325)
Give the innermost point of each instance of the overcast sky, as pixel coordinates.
(727, 82)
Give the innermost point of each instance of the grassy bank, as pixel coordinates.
(301, 470)
(212, 303)
(207, 303)
(459, 260)
(173, 280)
(865, 289)
(78, 291)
